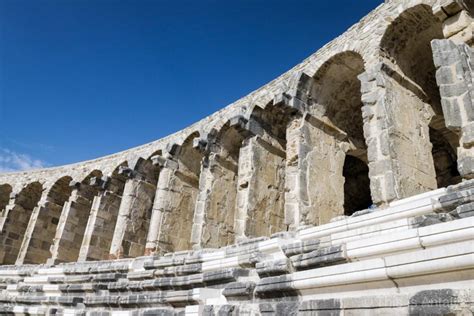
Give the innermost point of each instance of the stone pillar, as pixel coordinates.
(454, 75)
(163, 196)
(13, 224)
(202, 201)
(101, 222)
(213, 224)
(260, 191)
(296, 194)
(314, 181)
(396, 129)
(173, 207)
(133, 217)
(38, 237)
(72, 225)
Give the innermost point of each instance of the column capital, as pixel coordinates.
(292, 104)
(100, 182)
(200, 144)
(129, 173)
(75, 185)
(163, 162)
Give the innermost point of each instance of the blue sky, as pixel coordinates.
(81, 79)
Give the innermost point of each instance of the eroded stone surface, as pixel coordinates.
(341, 187)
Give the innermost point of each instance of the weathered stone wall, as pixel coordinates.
(323, 192)
(383, 112)
(414, 257)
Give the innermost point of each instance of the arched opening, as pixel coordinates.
(103, 215)
(36, 246)
(445, 157)
(217, 199)
(356, 185)
(134, 216)
(181, 196)
(339, 154)
(338, 97)
(5, 190)
(261, 175)
(73, 221)
(427, 153)
(16, 221)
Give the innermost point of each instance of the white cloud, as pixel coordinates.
(13, 161)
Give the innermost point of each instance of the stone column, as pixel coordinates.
(260, 191)
(133, 217)
(162, 197)
(173, 207)
(455, 66)
(101, 222)
(296, 194)
(203, 200)
(72, 225)
(396, 129)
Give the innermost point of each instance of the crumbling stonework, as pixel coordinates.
(344, 186)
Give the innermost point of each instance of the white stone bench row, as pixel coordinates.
(356, 275)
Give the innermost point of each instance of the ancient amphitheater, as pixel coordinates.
(342, 187)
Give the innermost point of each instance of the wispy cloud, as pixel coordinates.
(14, 161)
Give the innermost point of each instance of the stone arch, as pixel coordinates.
(43, 222)
(135, 212)
(177, 195)
(103, 216)
(261, 173)
(406, 43)
(73, 221)
(5, 191)
(406, 48)
(216, 206)
(60, 191)
(146, 169)
(334, 131)
(336, 94)
(16, 216)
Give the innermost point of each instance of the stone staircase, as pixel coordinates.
(413, 257)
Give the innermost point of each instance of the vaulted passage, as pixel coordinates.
(425, 150)
(73, 221)
(356, 185)
(5, 191)
(175, 201)
(444, 157)
(133, 221)
(103, 216)
(261, 175)
(216, 207)
(333, 139)
(43, 222)
(15, 218)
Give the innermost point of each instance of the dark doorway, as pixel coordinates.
(444, 158)
(357, 185)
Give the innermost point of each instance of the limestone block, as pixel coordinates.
(239, 289)
(322, 257)
(300, 247)
(456, 23)
(274, 267)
